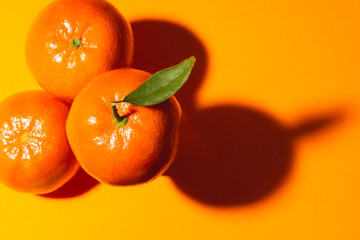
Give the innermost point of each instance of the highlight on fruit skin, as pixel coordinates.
(70, 42)
(35, 156)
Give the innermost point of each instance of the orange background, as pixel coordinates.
(271, 132)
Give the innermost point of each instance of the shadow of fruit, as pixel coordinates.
(229, 154)
(232, 155)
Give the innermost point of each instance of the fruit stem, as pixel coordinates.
(76, 43)
(120, 121)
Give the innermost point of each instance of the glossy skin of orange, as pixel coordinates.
(35, 156)
(135, 153)
(105, 43)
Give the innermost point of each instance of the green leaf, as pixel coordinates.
(161, 85)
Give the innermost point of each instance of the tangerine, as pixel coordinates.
(35, 156)
(70, 42)
(115, 151)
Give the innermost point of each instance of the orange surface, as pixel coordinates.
(277, 82)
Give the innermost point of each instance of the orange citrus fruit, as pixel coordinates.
(141, 149)
(71, 41)
(35, 155)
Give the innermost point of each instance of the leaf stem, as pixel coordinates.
(76, 43)
(120, 121)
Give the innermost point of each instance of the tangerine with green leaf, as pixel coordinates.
(124, 126)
